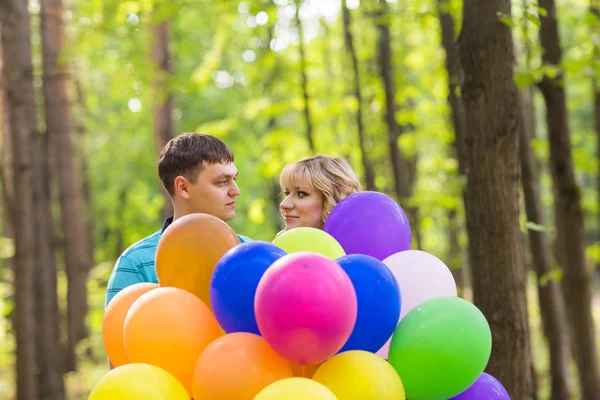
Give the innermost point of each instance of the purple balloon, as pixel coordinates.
(485, 387)
(369, 223)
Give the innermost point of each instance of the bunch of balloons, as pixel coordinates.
(348, 312)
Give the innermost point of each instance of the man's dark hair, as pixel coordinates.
(185, 155)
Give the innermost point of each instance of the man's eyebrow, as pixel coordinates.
(226, 175)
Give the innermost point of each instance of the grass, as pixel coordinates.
(92, 368)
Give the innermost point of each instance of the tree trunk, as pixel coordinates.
(568, 212)
(492, 127)
(457, 112)
(86, 185)
(550, 293)
(20, 96)
(401, 167)
(164, 129)
(6, 159)
(595, 8)
(6, 183)
(349, 40)
(304, 80)
(455, 261)
(49, 355)
(78, 259)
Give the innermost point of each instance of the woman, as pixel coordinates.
(313, 186)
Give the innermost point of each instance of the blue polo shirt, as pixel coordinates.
(136, 264)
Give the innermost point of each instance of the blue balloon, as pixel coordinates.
(379, 302)
(234, 282)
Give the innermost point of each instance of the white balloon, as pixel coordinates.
(421, 276)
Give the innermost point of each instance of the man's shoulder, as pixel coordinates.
(144, 248)
(243, 238)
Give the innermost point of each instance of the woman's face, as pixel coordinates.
(302, 207)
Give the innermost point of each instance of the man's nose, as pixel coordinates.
(235, 190)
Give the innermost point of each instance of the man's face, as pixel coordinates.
(214, 191)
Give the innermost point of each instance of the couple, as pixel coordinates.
(199, 174)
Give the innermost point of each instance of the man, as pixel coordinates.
(199, 174)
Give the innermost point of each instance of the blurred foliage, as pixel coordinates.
(237, 76)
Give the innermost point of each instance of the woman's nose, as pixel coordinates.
(286, 204)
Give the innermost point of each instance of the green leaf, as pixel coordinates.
(532, 226)
(506, 19)
(555, 274)
(534, 19)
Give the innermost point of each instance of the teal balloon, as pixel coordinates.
(440, 348)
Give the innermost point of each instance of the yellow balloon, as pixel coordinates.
(360, 375)
(139, 382)
(309, 239)
(295, 389)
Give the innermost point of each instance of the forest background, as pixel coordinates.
(437, 103)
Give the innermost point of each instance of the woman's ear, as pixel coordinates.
(182, 187)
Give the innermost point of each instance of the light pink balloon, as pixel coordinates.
(421, 276)
(305, 307)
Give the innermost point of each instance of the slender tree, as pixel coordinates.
(304, 82)
(457, 112)
(492, 127)
(550, 294)
(349, 41)
(78, 258)
(568, 211)
(20, 95)
(162, 110)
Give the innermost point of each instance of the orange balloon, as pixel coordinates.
(169, 328)
(237, 366)
(189, 250)
(304, 371)
(114, 318)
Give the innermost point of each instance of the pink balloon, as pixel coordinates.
(305, 307)
(421, 277)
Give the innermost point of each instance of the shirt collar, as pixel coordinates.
(166, 224)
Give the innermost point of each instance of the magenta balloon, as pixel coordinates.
(305, 307)
(370, 223)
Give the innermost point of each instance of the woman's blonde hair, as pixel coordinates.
(331, 176)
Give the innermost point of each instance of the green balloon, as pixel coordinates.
(440, 348)
(309, 239)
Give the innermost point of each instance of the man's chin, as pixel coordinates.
(228, 217)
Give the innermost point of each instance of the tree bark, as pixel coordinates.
(595, 9)
(455, 261)
(48, 344)
(85, 175)
(495, 251)
(568, 212)
(164, 129)
(550, 293)
(349, 40)
(78, 259)
(20, 97)
(401, 166)
(6, 182)
(457, 112)
(304, 83)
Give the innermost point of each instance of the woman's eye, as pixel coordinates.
(302, 194)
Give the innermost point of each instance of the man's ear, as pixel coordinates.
(182, 187)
